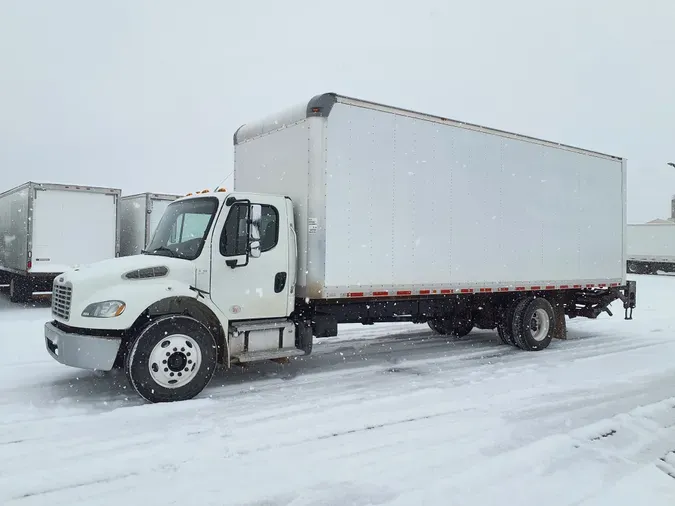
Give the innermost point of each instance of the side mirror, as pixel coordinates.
(255, 216)
(254, 249)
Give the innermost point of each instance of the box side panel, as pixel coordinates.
(72, 227)
(654, 243)
(132, 224)
(14, 219)
(414, 204)
(278, 163)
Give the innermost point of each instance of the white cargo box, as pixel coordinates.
(47, 228)
(139, 217)
(390, 201)
(651, 242)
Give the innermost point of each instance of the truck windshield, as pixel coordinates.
(183, 228)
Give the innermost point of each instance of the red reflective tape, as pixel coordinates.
(425, 292)
(577, 286)
(466, 290)
(486, 290)
(520, 288)
(503, 289)
(614, 284)
(535, 288)
(602, 285)
(355, 294)
(564, 287)
(445, 292)
(380, 294)
(550, 287)
(590, 286)
(404, 292)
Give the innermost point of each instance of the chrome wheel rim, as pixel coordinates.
(175, 361)
(539, 325)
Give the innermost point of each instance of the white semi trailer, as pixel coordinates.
(48, 228)
(349, 211)
(139, 217)
(650, 248)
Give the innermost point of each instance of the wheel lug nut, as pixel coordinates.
(166, 369)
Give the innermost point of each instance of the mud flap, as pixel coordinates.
(560, 329)
(629, 298)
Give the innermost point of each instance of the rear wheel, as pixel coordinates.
(457, 327)
(533, 324)
(505, 323)
(173, 358)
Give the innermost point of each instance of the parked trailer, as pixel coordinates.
(348, 211)
(139, 216)
(650, 248)
(48, 228)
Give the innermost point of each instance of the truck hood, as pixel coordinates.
(111, 271)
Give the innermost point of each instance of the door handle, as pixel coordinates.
(280, 282)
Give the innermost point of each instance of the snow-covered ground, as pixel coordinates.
(386, 415)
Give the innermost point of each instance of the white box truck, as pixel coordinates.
(650, 248)
(139, 216)
(349, 211)
(47, 228)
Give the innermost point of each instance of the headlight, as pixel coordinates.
(105, 309)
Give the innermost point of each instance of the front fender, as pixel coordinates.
(137, 296)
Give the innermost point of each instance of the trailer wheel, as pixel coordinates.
(533, 324)
(172, 358)
(505, 323)
(19, 290)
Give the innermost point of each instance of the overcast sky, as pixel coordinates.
(145, 95)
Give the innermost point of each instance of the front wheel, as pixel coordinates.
(173, 358)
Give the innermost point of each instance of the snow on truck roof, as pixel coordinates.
(321, 106)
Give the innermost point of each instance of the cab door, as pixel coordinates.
(250, 265)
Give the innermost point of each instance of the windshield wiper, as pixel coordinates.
(164, 248)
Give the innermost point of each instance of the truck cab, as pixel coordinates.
(215, 284)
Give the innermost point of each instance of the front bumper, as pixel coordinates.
(77, 350)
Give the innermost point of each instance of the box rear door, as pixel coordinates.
(72, 227)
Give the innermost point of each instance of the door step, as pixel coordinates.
(254, 356)
(241, 327)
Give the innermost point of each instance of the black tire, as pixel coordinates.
(437, 327)
(529, 312)
(158, 332)
(456, 328)
(20, 290)
(461, 328)
(505, 323)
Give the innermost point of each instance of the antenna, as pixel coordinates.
(216, 188)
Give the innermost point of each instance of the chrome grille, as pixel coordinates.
(61, 299)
